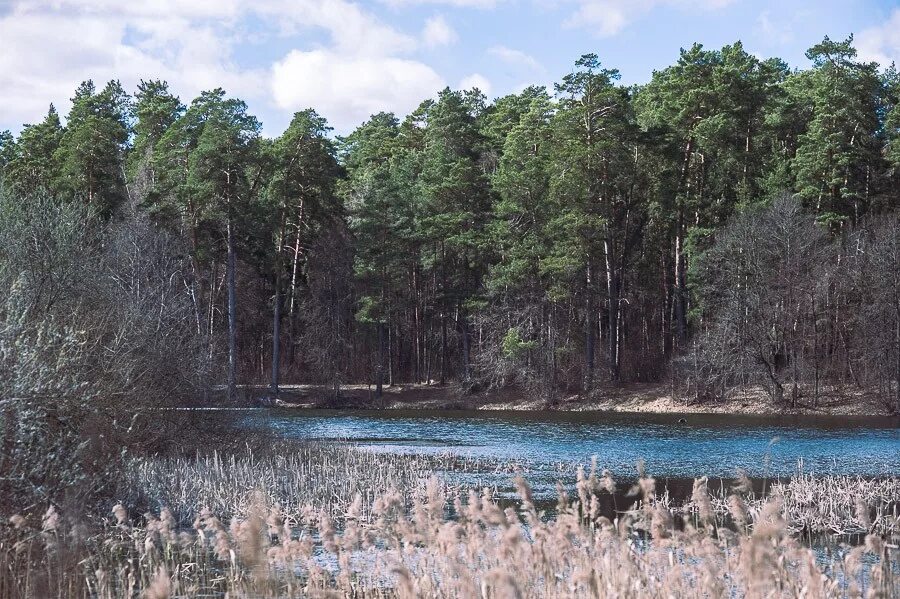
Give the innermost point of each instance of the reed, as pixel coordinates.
(332, 475)
(328, 520)
(325, 474)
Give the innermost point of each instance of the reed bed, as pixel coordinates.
(331, 520)
(325, 474)
(838, 505)
(331, 476)
(440, 546)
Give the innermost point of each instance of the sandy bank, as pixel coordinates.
(642, 398)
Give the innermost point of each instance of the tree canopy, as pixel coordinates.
(592, 234)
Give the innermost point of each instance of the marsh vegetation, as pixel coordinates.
(325, 520)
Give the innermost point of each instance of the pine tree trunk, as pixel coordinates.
(417, 326)
(197, 286)
(232, 313)
(464, 330)
(276, 335)
(394, 345)
(612, 289)
(443, 315)
(680, 299)
(292, 303)
(589, 329)
(379, 380)
(443, 349)
(276, 309)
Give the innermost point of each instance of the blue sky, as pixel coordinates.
(349, 58)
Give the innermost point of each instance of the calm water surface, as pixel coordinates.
(712, 445)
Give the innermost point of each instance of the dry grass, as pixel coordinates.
(333, 521)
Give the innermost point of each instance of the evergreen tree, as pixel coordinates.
(34, 165)
(838, 154)
(378, 221)
(91, 151)
(300, 198)
(7, 152)
(523, 288)
(212, 174)
(892, 137)
(598, 195)
(457, 203)
(155, 110)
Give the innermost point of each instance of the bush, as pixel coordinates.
(95, 333)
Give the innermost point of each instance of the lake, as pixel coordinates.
(712, 445)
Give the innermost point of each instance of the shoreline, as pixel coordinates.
(630, 398)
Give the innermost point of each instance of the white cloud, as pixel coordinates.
(46, 54)
(515, 57)
(47, 47)
(776, 31)
(881, 44)
(438, 32)
(347, 90)
(456, 3)
(476, 80)
(609, 17)
(352, 29)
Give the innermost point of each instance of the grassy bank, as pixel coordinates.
(328, 520)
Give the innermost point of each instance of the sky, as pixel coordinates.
(351, 58)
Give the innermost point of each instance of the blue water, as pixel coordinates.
(711, 445)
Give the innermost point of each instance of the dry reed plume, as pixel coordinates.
(327, 475)
(428, 544)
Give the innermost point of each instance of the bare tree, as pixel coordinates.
(327, 312)
(759, 285)
(871, 279)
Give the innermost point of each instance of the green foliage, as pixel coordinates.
(573, 217)
(32, 164)
(207, 168)
(455, 199)
(892, 129)
(840, 148)
(155, 110)
(92, 147)
(514, 346)
(7, 151)
(380, 219)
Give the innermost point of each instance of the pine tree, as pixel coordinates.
(155, 110)
(892, 137)
(837, 156)
(523, 286)
(212, 175)
(34, 166)
(91, 151)
(8, 152)
(457, 203)
(300, 197)
(599, 195)
(378, 220)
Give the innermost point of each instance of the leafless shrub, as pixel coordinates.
(870, 280)
(760, 288)
(94, 328)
